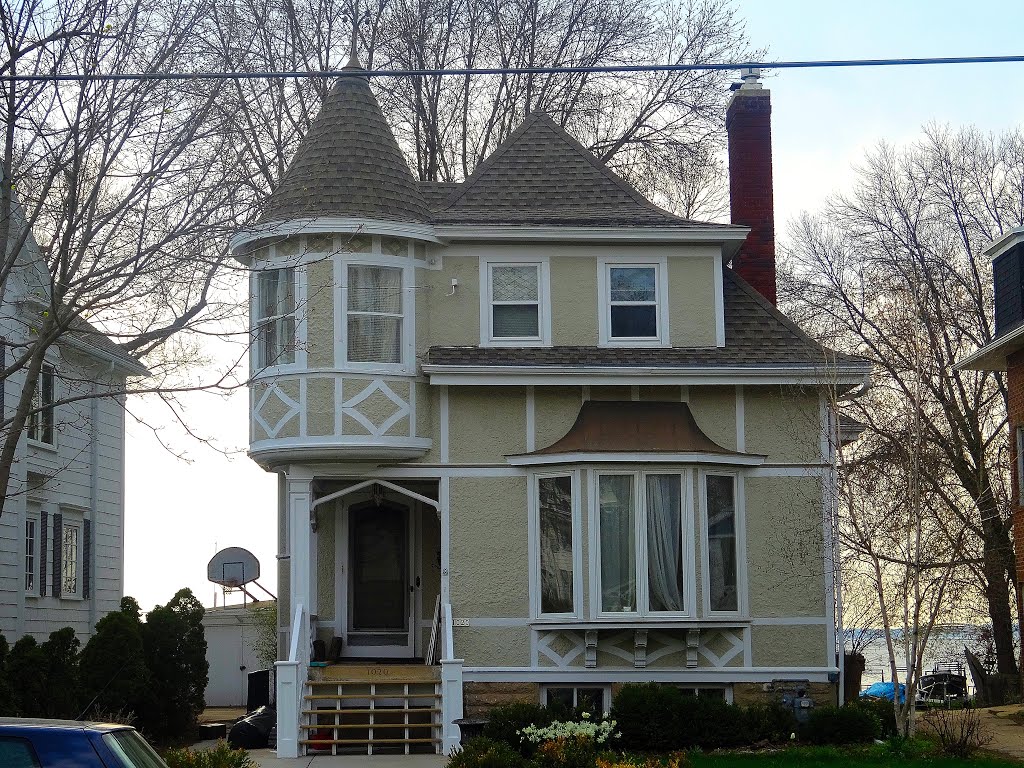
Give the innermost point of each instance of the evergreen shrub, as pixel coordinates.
(505, 723)
(483, 752)
(841, 725)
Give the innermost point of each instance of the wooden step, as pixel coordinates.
(376, 710)
(375, 673)
(366, 726)
(369, 696)
(364, 742)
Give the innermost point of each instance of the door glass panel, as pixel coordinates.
(380, 560)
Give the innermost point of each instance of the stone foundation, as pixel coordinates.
(479, 698)
(744, 694)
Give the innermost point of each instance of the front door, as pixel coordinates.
(379, 582)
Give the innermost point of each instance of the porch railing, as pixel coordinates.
(451, 684)
(290, 681)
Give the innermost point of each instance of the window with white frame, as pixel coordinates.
(642, 521)
(375, 314)
(70, 537)
(720, 543)
(633, 298)
(594, 699)
(274, 323)
(31, 525)
(514, 309)
(556, 540)
(40, 421)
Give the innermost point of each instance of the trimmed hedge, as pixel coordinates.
(845, 725)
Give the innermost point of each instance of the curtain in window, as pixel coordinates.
(374, 314)
(516, 297)
(664, 543)
(618, 547)
(556, 566)
(276, 308)
(721, 527)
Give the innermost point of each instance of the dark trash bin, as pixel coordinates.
(471, 727)
(257, 692)
(253, 730)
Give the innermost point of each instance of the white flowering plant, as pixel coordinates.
(600, 731)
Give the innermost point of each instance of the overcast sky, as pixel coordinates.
(824, 120)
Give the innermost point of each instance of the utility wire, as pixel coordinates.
(611, 68)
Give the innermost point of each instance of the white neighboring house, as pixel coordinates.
(62, 526)
(231, 634)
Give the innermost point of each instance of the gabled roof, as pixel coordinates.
(348, 164)
(756, 334)
(541, 175)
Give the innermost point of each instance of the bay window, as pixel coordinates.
(720, 543)
(643, 520)
(557, 545)
(375, 314)
(274, 322)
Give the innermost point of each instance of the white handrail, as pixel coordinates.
(449, 641)
(296, 630)
(435, 626)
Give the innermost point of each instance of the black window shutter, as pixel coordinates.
(86, 557)
(44, 532)
(58, 530)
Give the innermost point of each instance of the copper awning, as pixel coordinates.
(640, 431)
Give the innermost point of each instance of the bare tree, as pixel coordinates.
(117, 196)
(894, 272)
(663, 131)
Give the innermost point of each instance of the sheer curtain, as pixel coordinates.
(618, 546)
(664, 543)
(374, 314)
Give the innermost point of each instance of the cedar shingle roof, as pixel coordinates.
(756, 333)
(541, 175)
(348, 164)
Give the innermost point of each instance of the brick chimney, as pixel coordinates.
(749, 125)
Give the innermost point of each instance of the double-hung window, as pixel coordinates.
(557, 545)
(69, 560)
(634, 301)
(720, 543)
(40, 420)
(644, 532)
(275, 317)
(376, 315)
(514, 308)
(30, 553)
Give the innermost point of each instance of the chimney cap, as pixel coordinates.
(751, 77)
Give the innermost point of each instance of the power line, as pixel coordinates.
(606, 69)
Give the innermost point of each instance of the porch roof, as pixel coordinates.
(610, 430)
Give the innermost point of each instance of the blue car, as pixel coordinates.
(29, 743)
(884, 691)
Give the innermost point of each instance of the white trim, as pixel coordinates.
(730, 237)
(329, 225)
(790, 621)
(445, 456)
(1004, 242)
(375, 481)
(531, 419)
(543, 266)
(574, 376)
(604, 304)
(444, 499)
(741, 419)
(987, 359)
(327, 448)
(729, 459)
(689, 676)
(719, 302)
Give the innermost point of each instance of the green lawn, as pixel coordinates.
(854, 757)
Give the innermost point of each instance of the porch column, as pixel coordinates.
(292, 672)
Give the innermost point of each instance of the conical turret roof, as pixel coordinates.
(348, 164)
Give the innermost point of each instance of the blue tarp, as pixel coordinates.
(883, 691)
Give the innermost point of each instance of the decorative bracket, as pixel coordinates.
(692, 644)
(640, 648)
(590, 639)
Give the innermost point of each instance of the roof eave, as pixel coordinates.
(730, 238)
(130, 366)
(635, 457)
(992, 356)
(328, 224)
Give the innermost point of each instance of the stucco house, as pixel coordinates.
(62, 525)
(536, 437)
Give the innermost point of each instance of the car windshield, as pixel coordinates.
(132, 750)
